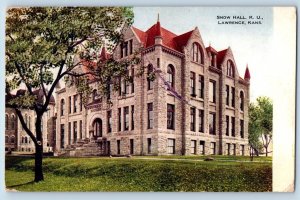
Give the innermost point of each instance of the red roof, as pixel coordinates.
(169, 39)
(247, 73)
(221, 55)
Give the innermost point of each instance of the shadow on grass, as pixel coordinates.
(22, 184)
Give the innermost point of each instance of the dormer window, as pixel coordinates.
(197, 53)
(230, 69)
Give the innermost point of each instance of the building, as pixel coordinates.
(147, 116)
(18, 139)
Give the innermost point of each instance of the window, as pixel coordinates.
(170, 116)
(131, 146)
(227, 125)
(6, 139)
(227, 95)
(201, 121)
(70, 104)
(108, 148)
(70, 132)
(230, 67)
(228, 149)
(149, 144)
(80, 129)
(124, 49)
(126, 83)
(132, 79)
(192, 118)
(132, 117)
(233, 126)
(234, 149)
(192, 84)
(97, 125)
(80, 103)
(197, 53)
(171, 146)
(171, 75)
(232, 96)
(26, 140)
(119, 119)
(126, 118)
(242, 128)
(118, 147)
(212, 123)
(62, 107)
(242, 150)
(95, 95)
(213, 148)
(193, 147)
(149, 77)
(12, 139)
(6, 121)
(13, 121)
(75, 103)
(241, 101)
(150, 115)
(201, 86)
(202, 147)
(212, 91)
(130, 47)
(109, 121)
(75, 131)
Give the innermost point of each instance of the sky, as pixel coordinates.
(251, 44)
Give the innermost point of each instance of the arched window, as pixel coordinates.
(197, 53)
(23, 140)
(62, 107)
(149, 77)
(97, 125)
(6, 121)
(171, 75)
(26, 141)
(6, 139)
(242, 101)
(230, 68)
(13, 118)
(12, 139)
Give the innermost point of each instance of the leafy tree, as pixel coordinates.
(260, 124)
(42, 45)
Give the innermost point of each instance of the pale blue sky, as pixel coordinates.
(249, 43)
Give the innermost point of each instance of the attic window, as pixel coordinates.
(230, 69)
(197, 53)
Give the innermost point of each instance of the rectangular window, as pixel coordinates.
(125, 48)
(62, 136)
(80, 102)
(80, 129)
(132, 79)
(193, 147)
(228, 149)
(213, 148)
(227, 95)
(227, 125)
(212, 123)
(149, 144)
(75, 103)
(119, 119)
(126, 118)
(130, 47)
(170, 116)
(233, 126)
(171, 146)
(201, 86)
(234, 149)
(118, 147)
(192, 119)
(108, 148)
(109, 121)
(131, 146)
(242, 128)
(192, 84)
(132, 117)
(201, 121)
(242, 150)
(121, 50)
(150, 115)
(70, 104)
(202, 147)
(212, 91)
(149, 77)
(232, 96)
(70, 132)
(75, 132)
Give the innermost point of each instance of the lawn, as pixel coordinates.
(178, 173)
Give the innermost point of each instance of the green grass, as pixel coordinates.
(125, 174)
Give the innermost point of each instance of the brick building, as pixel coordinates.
(197, 104)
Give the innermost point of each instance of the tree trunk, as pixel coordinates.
(266, 151)
(38, 171)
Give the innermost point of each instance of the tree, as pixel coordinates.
(41, 47)
(260, 124)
